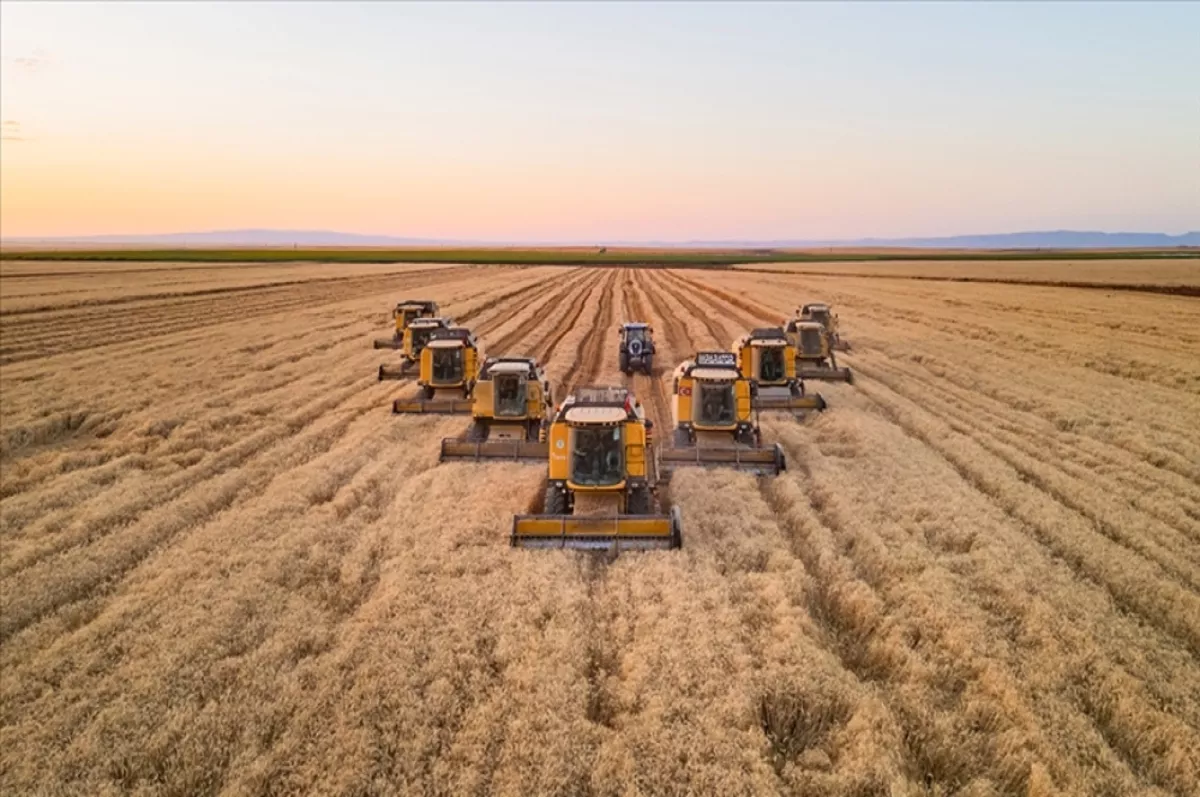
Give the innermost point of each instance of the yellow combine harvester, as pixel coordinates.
(823, 314)
(768, 360)
(405, 313)
(449, 364)
(415, 336)
(510, 410)
(602, 479)
(715, 424)
(814, 356)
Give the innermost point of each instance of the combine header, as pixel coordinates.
(510, 410)
(715, 422)
(602, 480)
(405, 313)
(767, 358)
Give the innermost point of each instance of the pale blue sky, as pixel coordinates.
(577, 120)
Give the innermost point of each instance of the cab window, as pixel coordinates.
(770, 363)
(447, 365)
(715, 405)
(510, 395)
(598, 456)
(810, 341)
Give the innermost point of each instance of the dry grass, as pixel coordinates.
(226, 568)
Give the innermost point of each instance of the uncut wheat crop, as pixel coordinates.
(227, 568)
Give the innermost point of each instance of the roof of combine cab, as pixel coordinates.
(599, 404)
(510, 365)
(431, 323)
(451, 335)
(711, 365)
(763, 336)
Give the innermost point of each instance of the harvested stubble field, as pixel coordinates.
(226, 568)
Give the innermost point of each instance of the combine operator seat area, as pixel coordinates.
(714, 404)
(597, 447)
(448, 364)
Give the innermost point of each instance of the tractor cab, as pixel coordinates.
(636, 351)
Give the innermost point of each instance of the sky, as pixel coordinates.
(599, 121)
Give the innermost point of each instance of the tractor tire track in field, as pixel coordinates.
(590, 360)
(271, 585)
(220, 465)
(854, 615)
(1137, 754)
(652, 386)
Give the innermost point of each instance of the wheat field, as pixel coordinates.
(228, 569)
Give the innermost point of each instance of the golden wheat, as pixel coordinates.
(227, 569)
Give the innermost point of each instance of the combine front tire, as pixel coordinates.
(637, 502)
(556, 500)
(427, 391)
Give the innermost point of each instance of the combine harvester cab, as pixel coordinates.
(715, 425)
(602, 480)
(823, 314)
(815, 358)
(510, 411)
(404, 314)
(768, 360)
(448, 370)
(416, 335)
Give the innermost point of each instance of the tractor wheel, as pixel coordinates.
(624, 362)
(637, 500)
(556, 500)
(647, 364)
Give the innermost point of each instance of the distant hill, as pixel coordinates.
(1056, 239)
